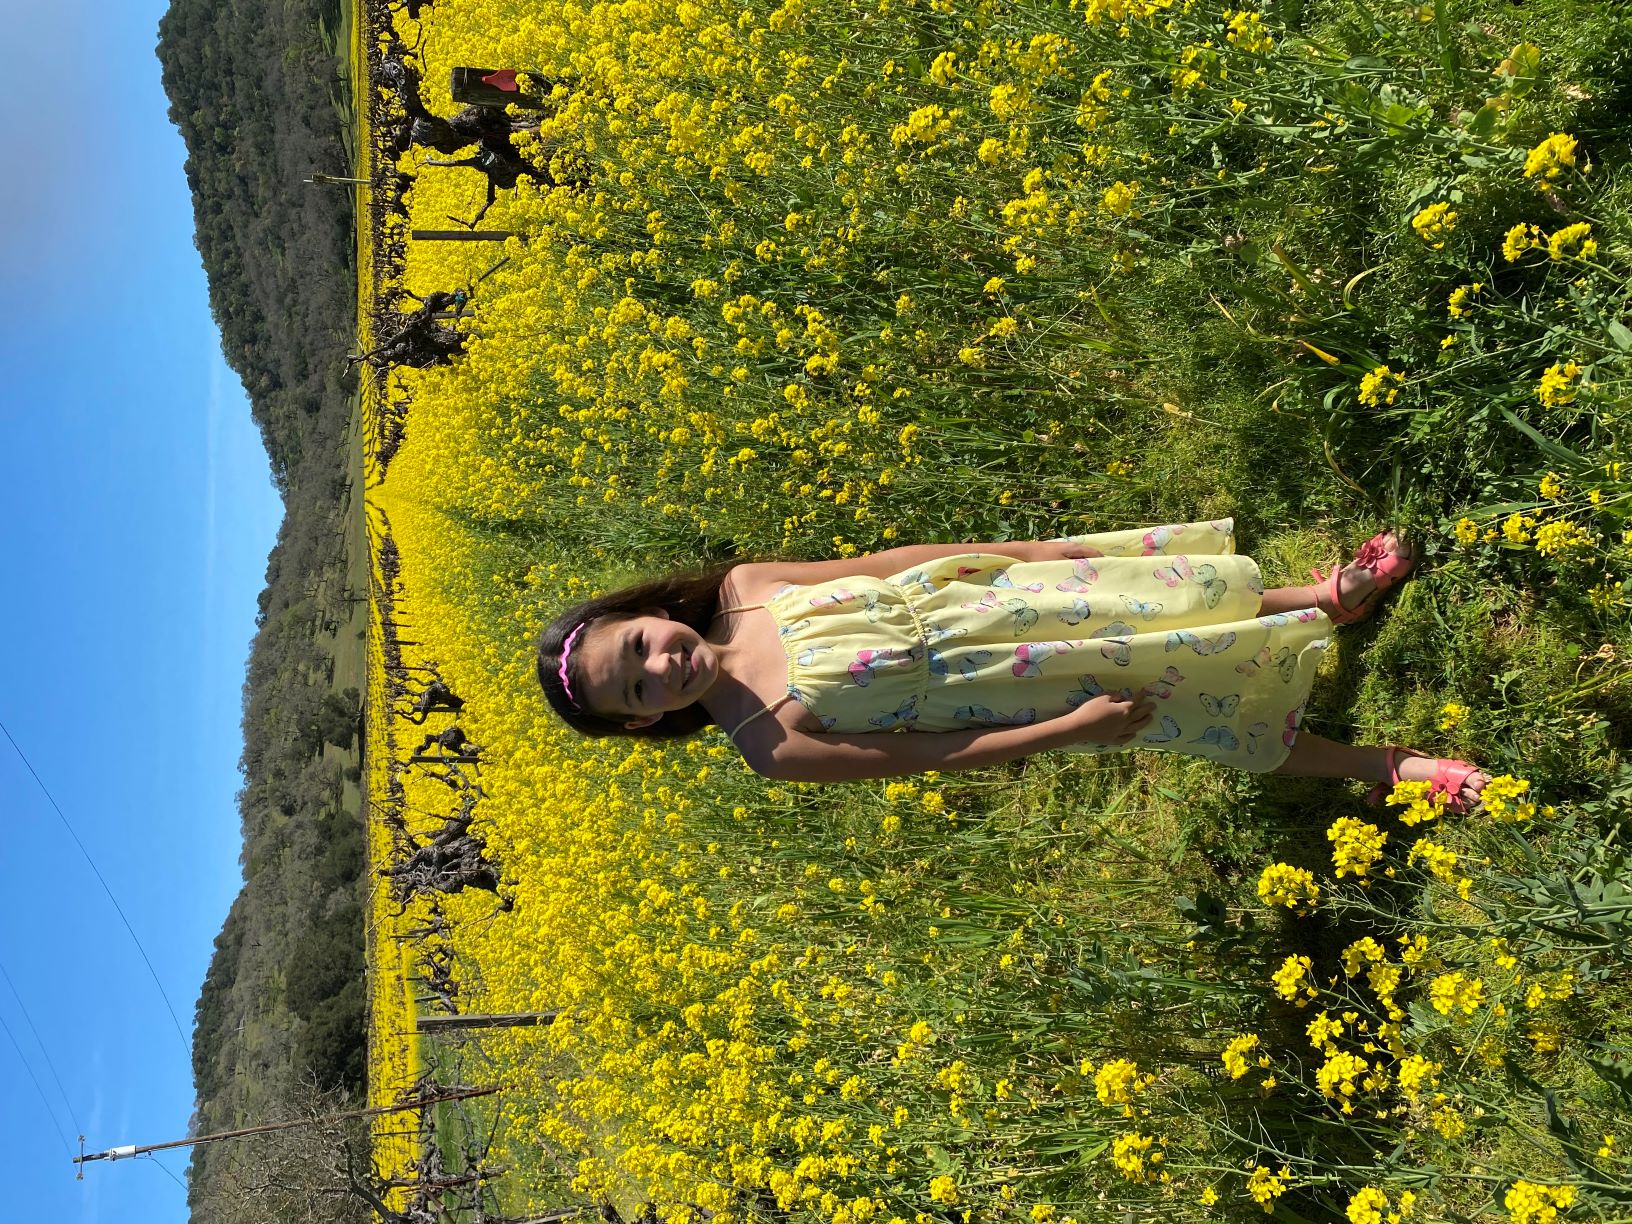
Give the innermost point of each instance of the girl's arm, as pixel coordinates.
(894, 560)
(778, 752)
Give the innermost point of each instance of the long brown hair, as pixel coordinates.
(690, 597)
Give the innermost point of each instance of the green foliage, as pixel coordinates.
(337, 717)
(214, 1009)
(328, 1047)
(327, 962)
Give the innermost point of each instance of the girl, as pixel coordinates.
(1163, 639)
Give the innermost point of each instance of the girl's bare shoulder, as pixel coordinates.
(753, 582)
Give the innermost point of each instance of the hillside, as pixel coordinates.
(259, 96)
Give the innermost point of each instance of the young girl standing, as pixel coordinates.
(1163, 639)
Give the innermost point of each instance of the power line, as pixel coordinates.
(55, 1124)
(153, 973)
(167, 1173)
(53, 1066)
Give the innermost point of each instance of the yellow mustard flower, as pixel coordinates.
(1550, 158)
(1434, 225)
(1572, 240)
(1235, 1055)
(1356, 845)
(1246, 31)
(1118, 199)
(1530, 1202)
(1291, 980)
(1459, 304)
(1264, 1187)
(1292, 887)
(1521, 238)
(1450, 992)
(1560, 536)
(1380, 386)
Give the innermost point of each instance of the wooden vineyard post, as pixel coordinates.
(492, 87)
(419, 235)
(445, 1024)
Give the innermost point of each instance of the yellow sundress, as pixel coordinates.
(982, 640)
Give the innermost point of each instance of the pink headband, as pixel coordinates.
(566, 648)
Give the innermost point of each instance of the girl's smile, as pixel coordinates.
(640, 668)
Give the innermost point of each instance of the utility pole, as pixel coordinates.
(129, 1150)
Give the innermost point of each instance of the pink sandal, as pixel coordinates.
(1387, 571)
(1448, 778)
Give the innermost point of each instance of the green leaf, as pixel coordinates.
(1614, 1066)
(1530, 853)
(1291, 265)
(1205, 910)
(1348, 302)
(1520, 1076)
(1070, 1144)
(1523, 68)
(1092, 1151)
(1556, 450)
(1397, 115)
(1620, 335)
(1450, 58)
(1564, 1131)
(1484, 124)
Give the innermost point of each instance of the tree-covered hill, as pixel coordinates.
(258, 93)
(253, 88)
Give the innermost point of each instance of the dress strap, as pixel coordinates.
(786, 586)
(775, 705)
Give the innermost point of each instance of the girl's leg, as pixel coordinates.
(1315, 757)
(1355, 584)
(1289, 599)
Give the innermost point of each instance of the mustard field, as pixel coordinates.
(822, 278)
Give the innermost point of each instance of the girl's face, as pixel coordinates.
(637, 670)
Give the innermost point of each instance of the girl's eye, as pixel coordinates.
(639, 685)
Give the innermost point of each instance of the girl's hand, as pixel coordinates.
(1068, 550)
(1072, 551)
(1107, 720)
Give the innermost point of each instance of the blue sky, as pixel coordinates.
(139, 514)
